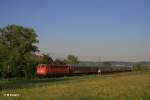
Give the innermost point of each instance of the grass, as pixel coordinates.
(123, 86)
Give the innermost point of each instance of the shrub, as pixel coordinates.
(137, 67)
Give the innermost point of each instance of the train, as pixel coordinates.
(63, 70)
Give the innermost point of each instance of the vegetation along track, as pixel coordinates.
(121, 86)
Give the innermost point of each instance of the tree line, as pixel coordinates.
(18, 47)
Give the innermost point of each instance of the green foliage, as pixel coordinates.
(17, 44)
(59, 61)
(71, 59)
(47, 59)
(137, 67)
(106, 63)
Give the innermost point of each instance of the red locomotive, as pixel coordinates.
(53, 69)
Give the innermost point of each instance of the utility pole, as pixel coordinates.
(99, 61)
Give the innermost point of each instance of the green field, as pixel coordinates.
(122, 86)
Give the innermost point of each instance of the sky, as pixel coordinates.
(110, 29)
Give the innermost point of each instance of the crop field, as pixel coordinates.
(120, 86)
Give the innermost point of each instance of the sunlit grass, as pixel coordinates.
(124, 86)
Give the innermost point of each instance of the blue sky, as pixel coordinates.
(112, 29)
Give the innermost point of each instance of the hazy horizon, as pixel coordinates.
(113, 30)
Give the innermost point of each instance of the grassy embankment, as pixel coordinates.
(123, 86)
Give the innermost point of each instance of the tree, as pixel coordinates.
(59, 61)
(107, 63)
(71, 59)
(137, 67)
(19, 42)
(3, 59)
(47, 59)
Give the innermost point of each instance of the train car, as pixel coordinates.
(85, 70)
(114, 69)
(102, 69)
(53, 69)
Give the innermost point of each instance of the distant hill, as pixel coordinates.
(113, 63)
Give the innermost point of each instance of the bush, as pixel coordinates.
(137, 67)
